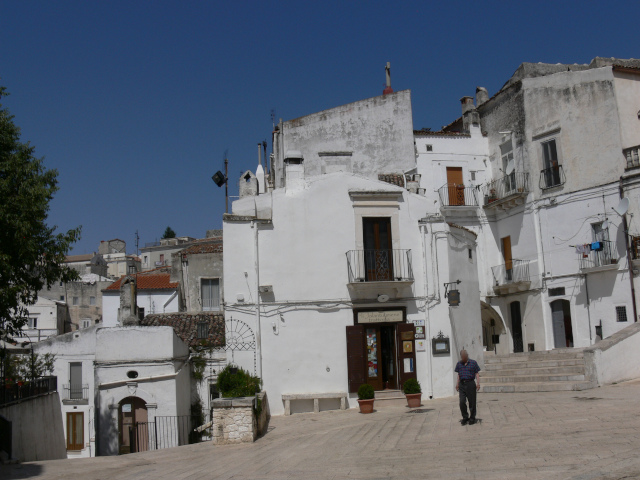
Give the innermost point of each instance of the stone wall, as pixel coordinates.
(234, 420)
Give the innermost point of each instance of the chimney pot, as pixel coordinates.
(467, 104)
(482, 95)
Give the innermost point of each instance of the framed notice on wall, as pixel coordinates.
(385, 316)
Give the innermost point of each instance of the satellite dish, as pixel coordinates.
(383, 298)
(605, 224)
(622, 207)
(511, 166)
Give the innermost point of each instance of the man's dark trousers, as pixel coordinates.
(467, 391)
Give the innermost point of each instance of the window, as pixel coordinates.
(429, 148)
(145, 259)
(75, 430)
(470, 254)
(506, 154)
(141, 313)
(32, 323)
(85, 323)
(210, 294)
(132, 269)
(473, 176)
(92, 300)
(203, 330)
(62, 298)
(76, 301)
(75, 380)
(556, 292)
(61, 284)
(162, 257)
(621, 314)
(552, 172)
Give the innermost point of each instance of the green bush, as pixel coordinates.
(412, 386)
(366, 392)
(238, 384)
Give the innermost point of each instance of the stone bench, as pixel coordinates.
(316, 400)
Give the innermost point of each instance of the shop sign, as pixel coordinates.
(384, 316)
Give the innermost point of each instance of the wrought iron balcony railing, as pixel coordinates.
(452, 195)
(379, 266)
(512, 184)
(635, 247)
(515, 271)
(632, 155)
(76, 392)
(13, 390)
(552, 177)
(607, 255)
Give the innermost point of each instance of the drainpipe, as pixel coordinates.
(625, 228)
(427, 326)
(254, 225)
(537, 226)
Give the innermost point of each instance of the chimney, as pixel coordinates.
(294, 170)
(467, 104)
(482, 95)
(387, 71)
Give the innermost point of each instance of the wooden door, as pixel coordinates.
(455, 185)
(378, 253)
(508, 259)
(355, 357)
(373, 356)
(132, 410)
(406, 334)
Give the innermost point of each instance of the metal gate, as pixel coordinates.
(167, 432)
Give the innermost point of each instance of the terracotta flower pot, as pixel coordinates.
(366, 406)
(414, 400)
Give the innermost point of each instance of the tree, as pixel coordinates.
(32, 254)
(169, 233)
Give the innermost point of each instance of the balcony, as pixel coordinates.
(75, 394)
(457, 199)
(634, 240)
(506, 192)
(552, 177)
(511, 277)
(376, 272)
(37, 334)
(14, 390)
(604, 257)
(632, 155)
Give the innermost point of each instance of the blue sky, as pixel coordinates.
(135, 103)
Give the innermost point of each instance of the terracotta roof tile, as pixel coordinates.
(210, 247)
(455, 225)
(79, 258)
(186, 326)
(392, 178)
(146, 281)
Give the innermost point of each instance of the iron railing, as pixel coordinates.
(515, 271)
(15, 390)
(632, 155)
(635, 246)
(608, 255)
(167, 432)
(512, 184)
(552, 177)
(76, 392)
(37, 334)
(5, 436)
(452, 195)
(379, 265)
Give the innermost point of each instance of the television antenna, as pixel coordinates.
(223, 179)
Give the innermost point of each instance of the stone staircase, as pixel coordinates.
(545, 371)
(390, 397)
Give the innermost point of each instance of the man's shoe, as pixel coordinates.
(464, 421)
(472, 421)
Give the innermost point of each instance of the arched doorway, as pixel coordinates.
(492, 330)
(131, 411)
(561, 321)
(516, 327)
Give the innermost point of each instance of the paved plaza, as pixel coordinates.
(593, 434)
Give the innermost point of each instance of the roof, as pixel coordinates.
(455, 225)
(146, 281)
(79, 258)
(625, 69)
(440, 133)
(186, 326)
(392, 178)
(209, 247)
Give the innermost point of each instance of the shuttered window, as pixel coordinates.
(75, 430)
(210, 294)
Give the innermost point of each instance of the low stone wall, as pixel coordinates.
(615, 358)
(234, 420)
(36, 426)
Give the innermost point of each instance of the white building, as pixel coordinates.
(47, 318)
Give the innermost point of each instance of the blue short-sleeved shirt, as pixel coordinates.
(468, 371)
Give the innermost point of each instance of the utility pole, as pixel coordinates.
(226, 185)
(137, 243)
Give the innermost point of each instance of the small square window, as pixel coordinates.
(470, 254)
(556, 292)
(473, 176)
(621, 314)
(62, 298)
(76, 300)
(86, 322)
(32, 323)
(203, 330)
(92, 300)
(429, 148)
(61, 284)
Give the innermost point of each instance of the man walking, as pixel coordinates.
(467, 386)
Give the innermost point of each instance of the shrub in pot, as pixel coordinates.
(413, 392)
(366, 396)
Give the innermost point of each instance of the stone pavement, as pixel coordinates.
(586, 435)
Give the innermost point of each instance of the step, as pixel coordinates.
(390, 402)
(566, 369)
(533, 364)
(536, 387)
(535, 378)
(380, 394)
(532, 357)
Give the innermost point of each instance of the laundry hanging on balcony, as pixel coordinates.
(583, 249)
(597, 246)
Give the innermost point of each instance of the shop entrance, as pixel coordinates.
(380, 353)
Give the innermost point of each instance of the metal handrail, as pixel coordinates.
(15, 390)
(511, 272)
(379, 265)
(599, 258)
(552, 177)
(76, 392)
(453, 195)
(514, 183)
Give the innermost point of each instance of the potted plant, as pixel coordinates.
(366, 396)
(413, 392)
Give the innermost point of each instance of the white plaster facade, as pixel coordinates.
(153, 301)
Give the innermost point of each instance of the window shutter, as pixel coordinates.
(355, 357)
(206, 295)
(406, 332)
